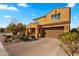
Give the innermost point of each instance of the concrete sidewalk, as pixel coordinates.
(2, 50)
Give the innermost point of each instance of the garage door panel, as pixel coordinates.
(53, 32)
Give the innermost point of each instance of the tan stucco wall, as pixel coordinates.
(42, 20)
(64, 16)
(31, 25)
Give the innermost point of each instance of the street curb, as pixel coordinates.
(2, 50)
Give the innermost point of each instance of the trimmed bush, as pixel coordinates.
(25, 37)
(70, 41)
(32, 38)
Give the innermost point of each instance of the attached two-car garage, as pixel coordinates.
(53, 32)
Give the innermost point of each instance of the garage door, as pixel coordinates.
(53, 32)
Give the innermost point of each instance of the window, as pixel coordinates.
(56, 16)
(52, 16)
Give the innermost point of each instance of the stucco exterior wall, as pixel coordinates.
(64, 16)
(42, 20)
(31, 25)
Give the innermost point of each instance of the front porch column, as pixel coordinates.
(67, 28)
(36, 33)
(26, 31)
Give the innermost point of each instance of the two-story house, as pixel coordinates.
(52, 24)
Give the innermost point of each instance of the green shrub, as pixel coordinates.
(70, 41)
(32, 37)
(25, 37)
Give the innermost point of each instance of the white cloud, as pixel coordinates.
(75, 17)
(71, 5)
(23, 5)
(7, 16)
(6, 7)
(33, 14)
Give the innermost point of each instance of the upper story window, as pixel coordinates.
(53, 16)
(56, 16)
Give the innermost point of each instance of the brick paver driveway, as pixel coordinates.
(41, 47)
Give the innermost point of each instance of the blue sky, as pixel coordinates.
(25, 12)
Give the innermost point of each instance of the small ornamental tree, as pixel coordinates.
(2, 30)
(14, 32)
(16, 28)
(69, 42)
(75, 30)
(11, 27)
(21, 28)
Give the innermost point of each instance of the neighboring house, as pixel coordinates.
(51, 25)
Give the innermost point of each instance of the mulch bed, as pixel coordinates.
(11, 42)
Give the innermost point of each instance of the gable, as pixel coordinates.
(64, 16)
